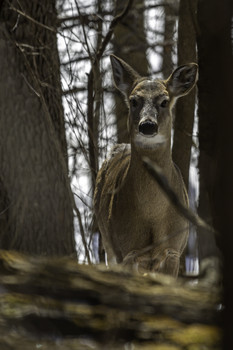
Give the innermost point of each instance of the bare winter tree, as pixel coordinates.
(208, 128)
(129, 43)
(36, 202)
(170, 21)
(215, 136)
(183, 127)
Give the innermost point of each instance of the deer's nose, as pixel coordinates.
(148, 128)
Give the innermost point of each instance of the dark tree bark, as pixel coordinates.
(208, 95)
(183, 126)
(215, 134)
(36, 201)
(94, 103)
(129, 44)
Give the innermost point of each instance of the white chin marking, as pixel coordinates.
(149, 142)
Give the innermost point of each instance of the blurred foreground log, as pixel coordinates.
(59, 304)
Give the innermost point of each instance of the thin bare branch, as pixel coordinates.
(113, 24)
(32, 19)
(82, 231)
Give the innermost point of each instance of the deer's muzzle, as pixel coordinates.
(148, 128)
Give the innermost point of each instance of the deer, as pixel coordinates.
(139, 226)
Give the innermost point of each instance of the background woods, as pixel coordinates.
(60, 115)
(146, 37)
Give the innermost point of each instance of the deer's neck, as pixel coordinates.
(161, 156)
(140, 183)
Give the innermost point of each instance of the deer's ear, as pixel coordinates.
(124, 75)
(182, 80)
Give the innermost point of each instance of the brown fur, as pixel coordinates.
(138, 224)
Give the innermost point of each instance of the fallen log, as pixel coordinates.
(58, 303)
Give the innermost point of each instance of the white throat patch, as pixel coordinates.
(149, 142)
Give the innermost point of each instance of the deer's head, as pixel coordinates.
(150, 101)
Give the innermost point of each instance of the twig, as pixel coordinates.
(32, 19)
(113, 24)
(82, 231)
(162, 181)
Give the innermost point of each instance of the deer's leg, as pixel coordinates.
(136, 260)
(166, 261)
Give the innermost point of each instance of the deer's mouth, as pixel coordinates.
(148, 128)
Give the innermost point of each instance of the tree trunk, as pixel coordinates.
(36, 202)
(169, 30)
(129, 44)
(208, 119)
(183, 126)
(216, 142)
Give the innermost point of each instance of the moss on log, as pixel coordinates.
(58, 303)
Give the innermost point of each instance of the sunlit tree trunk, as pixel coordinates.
(35, 197)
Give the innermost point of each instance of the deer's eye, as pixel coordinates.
(164, 104)
(134, 102)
